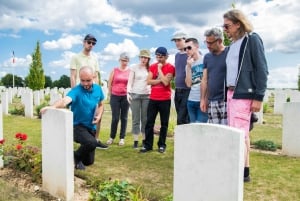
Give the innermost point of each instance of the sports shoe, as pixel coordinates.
(144, 150)
(161, 150)
(121, 143)
(100, 145)
(110, 141)
(79, 165)
(247, 179)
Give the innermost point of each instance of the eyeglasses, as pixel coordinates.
(226, 26)
(91, 42)
(210, 43)
(187, 48)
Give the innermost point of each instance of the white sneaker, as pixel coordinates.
(121, 143)
(110, 141)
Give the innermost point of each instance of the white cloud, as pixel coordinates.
(64, 43)
(284, 77)
(113, 50)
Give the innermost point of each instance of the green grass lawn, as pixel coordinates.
(274, 177)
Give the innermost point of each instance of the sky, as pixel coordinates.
(131, 25)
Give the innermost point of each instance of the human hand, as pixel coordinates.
(44, 109)
(256, 106)
(190, 60)
(129, 98)
(159, 65)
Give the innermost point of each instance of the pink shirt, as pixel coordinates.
(119, 82)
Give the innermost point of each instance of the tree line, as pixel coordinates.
(36, 79)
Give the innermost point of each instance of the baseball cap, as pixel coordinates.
(145, 53)
(162, 51)
(90, 37)
(124, 56)
(178, 35)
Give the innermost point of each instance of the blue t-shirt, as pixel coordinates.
(84, 103)
(180, 63)
(197, 73)
(216, 75)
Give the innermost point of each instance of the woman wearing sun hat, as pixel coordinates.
(138, 95)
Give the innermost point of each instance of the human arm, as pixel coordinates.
(204, 94)
(73, 74)
(98, 113)
(165, 79)
(109, 83)
(129, 85)
(61, 103)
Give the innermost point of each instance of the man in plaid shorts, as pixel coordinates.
(213, 98)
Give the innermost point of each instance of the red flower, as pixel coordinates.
(21, 136)
(19, 146)
(18, 135)
(2, 141)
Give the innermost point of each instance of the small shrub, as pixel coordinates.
(19, 109)
(39, 107)
(265, 145)
(116, 191)
(288, 99)
(24, 158)
(265, 107)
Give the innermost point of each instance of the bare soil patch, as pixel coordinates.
(24, 183)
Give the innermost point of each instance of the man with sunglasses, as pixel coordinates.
(194, 73)
(86, 58)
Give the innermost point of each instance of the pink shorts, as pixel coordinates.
(239, 113)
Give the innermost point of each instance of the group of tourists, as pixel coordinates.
(224, 86)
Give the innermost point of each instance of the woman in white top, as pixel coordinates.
(138, 95)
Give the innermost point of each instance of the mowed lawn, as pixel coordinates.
(274, 177)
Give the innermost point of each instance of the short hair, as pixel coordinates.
(237, 16)
(216, 32)
(86, 69)
(194, 41)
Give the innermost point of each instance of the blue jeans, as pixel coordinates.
(119, 110)
(180, 100)
(155, 107)
(195, 113)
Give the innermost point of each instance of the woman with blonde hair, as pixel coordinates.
(246, 76)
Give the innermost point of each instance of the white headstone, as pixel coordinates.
(4, 102)
(290, 129)
(279, 100)
(57, 153)
(28, 103)
(36, 98)
(208, 163)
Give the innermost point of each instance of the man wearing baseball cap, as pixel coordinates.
(181, 89)
(160, 75)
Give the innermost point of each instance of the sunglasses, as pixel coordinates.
(210, 43)
(91, 42)
(226, 26)
(187, 48)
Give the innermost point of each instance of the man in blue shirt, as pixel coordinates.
(86, 104)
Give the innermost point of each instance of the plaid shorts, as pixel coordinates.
(217, 112)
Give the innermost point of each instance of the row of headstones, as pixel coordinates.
(211, 157)
(283, 96)
(30, 98)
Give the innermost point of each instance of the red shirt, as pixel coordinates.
(160, 91)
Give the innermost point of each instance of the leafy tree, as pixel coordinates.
(7, 81)
(63, 82)
(36, 77)
(48, 81)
